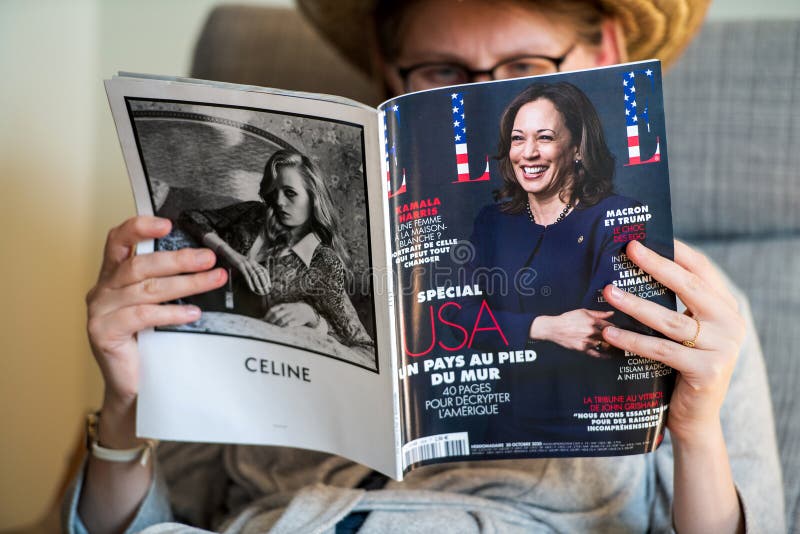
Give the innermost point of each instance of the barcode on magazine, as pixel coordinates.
(438, 446)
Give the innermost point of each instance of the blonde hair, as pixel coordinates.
(324, 219)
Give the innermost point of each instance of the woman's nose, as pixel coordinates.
(280, 199)
(531, 148)
(481, 77)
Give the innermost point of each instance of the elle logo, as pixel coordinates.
(636, 116)
(459, 124)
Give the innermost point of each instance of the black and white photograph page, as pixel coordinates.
(294, 347)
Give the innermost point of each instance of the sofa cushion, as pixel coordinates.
(733, 130)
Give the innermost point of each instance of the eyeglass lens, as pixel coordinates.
(441, 74)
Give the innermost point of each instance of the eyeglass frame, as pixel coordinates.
(471, 74)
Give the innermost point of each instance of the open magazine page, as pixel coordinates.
(499, 316)
(295, 349)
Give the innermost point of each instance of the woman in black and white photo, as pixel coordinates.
(288, 249)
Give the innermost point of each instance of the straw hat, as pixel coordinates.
(653, 28)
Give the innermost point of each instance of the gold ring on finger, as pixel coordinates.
(691, 342)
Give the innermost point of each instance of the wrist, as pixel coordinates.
(119, 403)
(698, 437)
(539, 328)
(228, 252)
(117, 424)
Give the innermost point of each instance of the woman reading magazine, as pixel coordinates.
(690, 483)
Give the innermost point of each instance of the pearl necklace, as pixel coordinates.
(560, 215)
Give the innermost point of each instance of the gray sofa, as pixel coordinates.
(733, 115)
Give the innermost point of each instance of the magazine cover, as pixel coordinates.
(500, 315)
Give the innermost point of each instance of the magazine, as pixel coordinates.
(408, 285)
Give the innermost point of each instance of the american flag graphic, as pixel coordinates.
(460, 140)
(635, 116)
(393, 152)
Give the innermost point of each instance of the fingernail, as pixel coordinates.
(638, 246)
(162, 224)
(616, 293)
(611, 332)
(202, 257)
(192, 312)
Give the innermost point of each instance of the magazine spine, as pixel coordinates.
(389, 281)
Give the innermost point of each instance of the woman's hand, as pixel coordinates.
(127, 297)
(579, 329)
(702, 345)
(293, 314)
(124, 301)
(255, 274)
(712, 317)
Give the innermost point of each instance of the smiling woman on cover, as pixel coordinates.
(288, 249)
(557, 185)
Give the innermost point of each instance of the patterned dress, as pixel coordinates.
(319, 282)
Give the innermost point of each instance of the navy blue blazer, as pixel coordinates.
(548, 270)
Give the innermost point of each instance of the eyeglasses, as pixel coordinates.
(433, 74)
